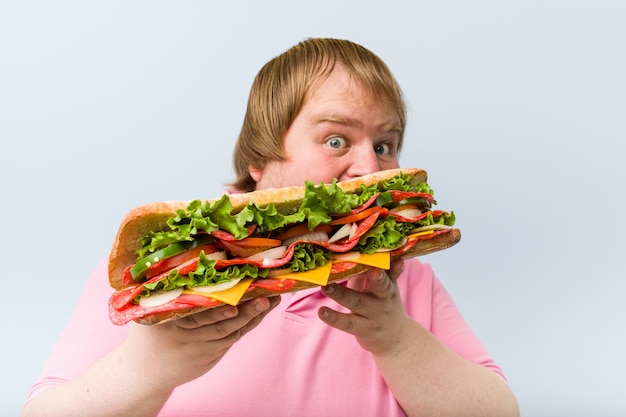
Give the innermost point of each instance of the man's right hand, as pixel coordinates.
(181, 350)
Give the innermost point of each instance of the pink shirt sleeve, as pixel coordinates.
(428, 302)
(88, 336)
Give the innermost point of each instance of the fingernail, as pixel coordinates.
(329, 289)
(377, 274)
(230, 311)
(261, 305)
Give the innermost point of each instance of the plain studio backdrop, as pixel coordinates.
(516, 109)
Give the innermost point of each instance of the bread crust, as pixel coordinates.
(153, 217)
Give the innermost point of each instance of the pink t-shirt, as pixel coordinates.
(291, 365)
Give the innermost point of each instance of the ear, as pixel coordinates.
(255, 173)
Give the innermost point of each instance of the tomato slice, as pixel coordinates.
(170, 251)
(250, 245)
(256, 242)
(401, 197)
(301, 229)
(351, 218)
(174, 261)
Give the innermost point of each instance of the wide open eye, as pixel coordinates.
(336, 142)
(382, 149)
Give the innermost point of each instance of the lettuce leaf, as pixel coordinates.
(307, 256)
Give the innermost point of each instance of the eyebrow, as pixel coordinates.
(346, 121)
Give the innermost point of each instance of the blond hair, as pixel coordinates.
(281, 86)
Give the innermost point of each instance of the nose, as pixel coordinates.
(364, 161)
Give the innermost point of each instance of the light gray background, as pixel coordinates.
(517, 110)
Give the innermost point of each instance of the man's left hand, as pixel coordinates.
(377, 317)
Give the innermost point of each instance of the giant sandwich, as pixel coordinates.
(172, 259)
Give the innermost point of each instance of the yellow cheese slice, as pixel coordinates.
(230, 296)
(317, 276)
(377, 259)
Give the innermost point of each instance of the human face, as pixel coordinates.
(341, 132)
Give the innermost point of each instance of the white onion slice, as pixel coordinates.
(431, 227)
(408, 213)
(273, 253)
(343, 231)
(218, 255)
(160, 297)
(217, 287)
(353, 230)
(310, 237)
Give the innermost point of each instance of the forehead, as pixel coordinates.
(343, 98)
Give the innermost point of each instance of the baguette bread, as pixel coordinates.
(153, 216)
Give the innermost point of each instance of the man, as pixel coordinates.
(383, 343)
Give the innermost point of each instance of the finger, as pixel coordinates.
(249, 310)
(363, 282)
(346, 322)
(360, 283)
(250, 316)
(374, 281)
(380, 283)
(351, 299)
(256, 320)
(209, 316)
(244, 311)
(397, 267)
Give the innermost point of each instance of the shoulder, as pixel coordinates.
(423, 295)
